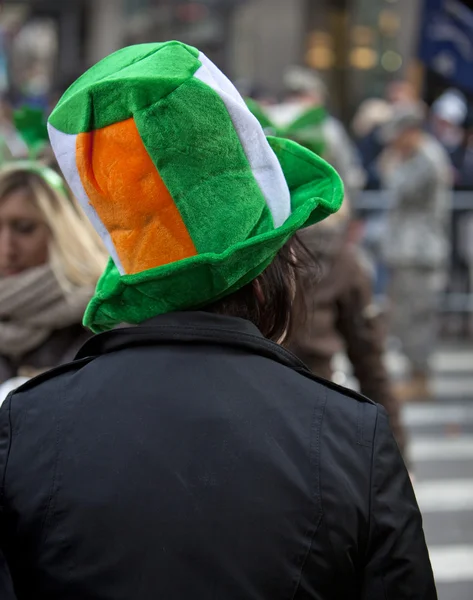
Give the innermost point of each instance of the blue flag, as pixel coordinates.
(446, 45)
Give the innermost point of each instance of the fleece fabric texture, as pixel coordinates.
(189, 196)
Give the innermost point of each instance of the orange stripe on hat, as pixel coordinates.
(131, 199)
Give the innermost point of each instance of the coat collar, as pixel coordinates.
(203, 329)
(191, 327)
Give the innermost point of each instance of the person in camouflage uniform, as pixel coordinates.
(416, 247)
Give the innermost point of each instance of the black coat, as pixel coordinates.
(191, 458)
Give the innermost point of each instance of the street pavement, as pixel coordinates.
(441, 454)
(441, 451)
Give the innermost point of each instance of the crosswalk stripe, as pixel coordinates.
(452, 563)
(452, 362)
(460, 386)
(427, 448)
(444, 498)
(451, 495)
(432, 414)
(442, 362)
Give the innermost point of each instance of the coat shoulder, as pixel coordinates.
(358, 413)
(338, 393)
(45, 388)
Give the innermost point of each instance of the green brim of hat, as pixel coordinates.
(193, 283)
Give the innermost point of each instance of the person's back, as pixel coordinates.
(192, 456)
(418, 227)
(204, 461)
(416, 245)
(342, 316)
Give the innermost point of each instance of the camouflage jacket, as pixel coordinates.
(419, 221)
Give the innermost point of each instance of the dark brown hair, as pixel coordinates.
(277, 309)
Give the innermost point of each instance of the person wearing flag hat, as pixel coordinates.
(190, 454)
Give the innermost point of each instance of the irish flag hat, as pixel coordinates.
(190, 198)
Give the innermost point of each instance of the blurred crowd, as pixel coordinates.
(416, 153)
(359, 151)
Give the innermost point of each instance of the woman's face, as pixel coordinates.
(24, 235)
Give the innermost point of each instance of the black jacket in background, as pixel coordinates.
(192, 459)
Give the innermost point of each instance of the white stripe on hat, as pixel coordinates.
(263, 161)
(65, 147)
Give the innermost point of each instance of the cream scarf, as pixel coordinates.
(32, 306)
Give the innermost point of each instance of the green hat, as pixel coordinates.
(307, 129)
(31, 125)
(190, 198)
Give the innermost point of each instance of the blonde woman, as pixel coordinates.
(50, 260)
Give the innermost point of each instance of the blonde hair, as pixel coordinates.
(76, 253)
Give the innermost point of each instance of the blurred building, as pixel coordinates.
(61, 38)
(356, 45)
(41, 44)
